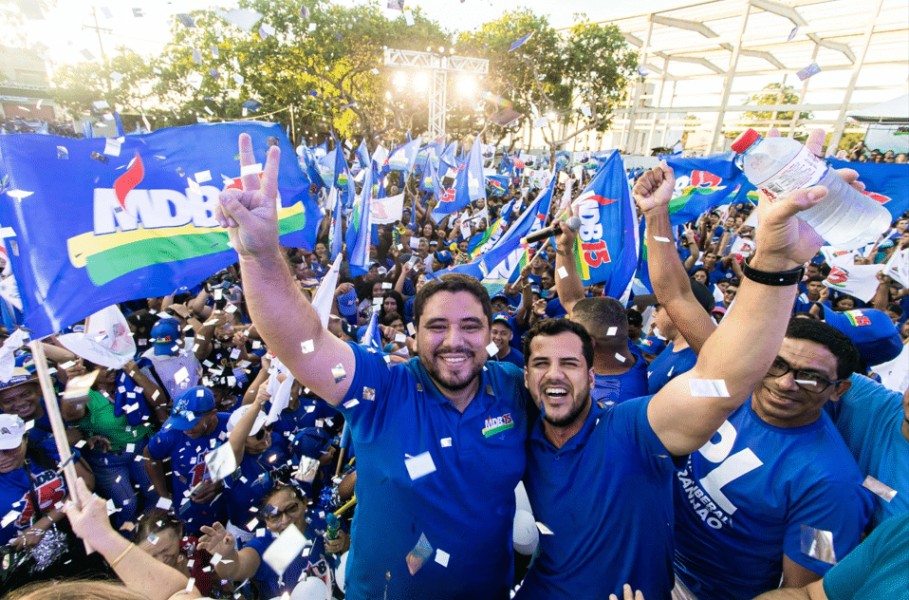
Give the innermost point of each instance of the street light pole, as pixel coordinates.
(440, 66)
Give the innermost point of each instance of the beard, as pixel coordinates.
(577, 408)
(450, 382)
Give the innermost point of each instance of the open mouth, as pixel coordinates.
(555, 393)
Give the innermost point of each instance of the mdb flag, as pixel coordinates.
(702, 183)
(884, 183)
(99, 221)
(606, 250)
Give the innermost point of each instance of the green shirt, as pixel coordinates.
(877, 568)
(99, 419)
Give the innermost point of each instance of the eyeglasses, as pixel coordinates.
(261, 433)
(806, 380)
(729, 292)
(273, 515)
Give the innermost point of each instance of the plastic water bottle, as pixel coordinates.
(845, 218)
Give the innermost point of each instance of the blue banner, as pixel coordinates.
(99, 222)
(885, 183)
(702, 183)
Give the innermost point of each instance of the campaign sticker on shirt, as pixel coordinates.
(496, 425)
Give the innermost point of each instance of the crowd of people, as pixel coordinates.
(19, 125)
(861, 153)
(718, 439)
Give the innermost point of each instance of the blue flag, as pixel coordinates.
(606, 249)
(701, 184)
(312, 171)
(521, 41)
(403, 157)
(372, 337)
(450, 189)
(506, 167)
(343, 180)
(642, 284)
(137, 224)
(362, 155)
(428, 176)
(885, 183)
(358, 234)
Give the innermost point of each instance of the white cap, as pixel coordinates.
(238, 414)
(12, 428)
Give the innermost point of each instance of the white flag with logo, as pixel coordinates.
(387, 210)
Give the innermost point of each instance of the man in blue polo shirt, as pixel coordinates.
(502, 334)
(440, 439)
(601, 480)
(192, 431)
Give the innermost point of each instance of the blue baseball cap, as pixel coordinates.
(502, 317)
(190, 407)
(166, 334)
(535, 289)
(444, 257)
(652, 345)
(875, 336)
(542, 254)
(311, 442)
(347, 304)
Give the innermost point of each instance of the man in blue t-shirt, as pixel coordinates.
(502, 333)
(596, 476)
(874, 422)
(193, 430)
(440, 439)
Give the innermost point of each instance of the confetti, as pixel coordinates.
(375, 71)
(9, 518)
(543, 529)
(181, 375)
(339, 373)
(369, 393)
(878, 488)
(622, 359)
(806, 382)
(818, 544)
(612, 330)
(400, 338)
(793, 33)
(266, 30)
(420, 465)
(203, 176)
(446, 442)
(152, 539)
(411, 329)
(197, 57)
(442, 557)
(221, 462)
(492, 349)
(100, 104)
(312, 27)
(7, 232)
(419, 554)
(185, 20)
(810, 70)
(164, 503)
(351, 403)
(251, 169)
(285, 549)
(563, 272)
(708, 388)
(62, 153)
(660, 238)
(79, 386)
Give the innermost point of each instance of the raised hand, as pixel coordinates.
(216, 539)
(654, 188)
(628, 594)
(250, 215)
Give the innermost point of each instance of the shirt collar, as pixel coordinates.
(579, 440)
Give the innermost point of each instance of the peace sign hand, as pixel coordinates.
(250, 215)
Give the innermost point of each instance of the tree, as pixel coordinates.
(774, 94)
(575, 80)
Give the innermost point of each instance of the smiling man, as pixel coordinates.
(440, 439)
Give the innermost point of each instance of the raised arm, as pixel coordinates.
(740, 351)
(283, 316)
(671, 284)
(570, 287)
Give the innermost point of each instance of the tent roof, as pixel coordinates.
(896, 110)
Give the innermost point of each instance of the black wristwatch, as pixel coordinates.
(779, 278)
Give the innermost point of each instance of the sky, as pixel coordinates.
(64, 28)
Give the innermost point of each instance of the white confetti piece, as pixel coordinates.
(446, 442)
(221, 462)
(563, 272)
(251, 169)
(112, 147)
(806, 382)
(612, 330)
(181, 375)
(368, 394)
(400, 338)
(203, 176)
(442, 557)
(311, 27)
(216, 558)
(818, 544)
(351, 403)
(659, 238)
(9, 518)
(284, 550)
(164, 503)
(338, 373)
(7, 232)
(19, 194)
(307, 346)
(708, 388)
(543, 529)
(420, 465)
(878, 488)
(190, 584)
(621, 358)
(492, 349)
(411, 329)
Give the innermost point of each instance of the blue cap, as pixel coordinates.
(500, 295)
(536, 290)
(652, 345)
(311, 442)
(444, 257)
(190, 407)
(166, 333)
(502, 317)
(542, 254)
(875, 336)
(347, 304)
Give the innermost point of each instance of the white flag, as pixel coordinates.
(387, 210)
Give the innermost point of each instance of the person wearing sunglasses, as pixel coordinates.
(257, 453)
(284, 506)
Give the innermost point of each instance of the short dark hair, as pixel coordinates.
(704, 269)
(553, 327)
(839, 344)
(895, 309)
(635, 318)
(452, 282)
(598, 314)
(814, 278)
(390, 318)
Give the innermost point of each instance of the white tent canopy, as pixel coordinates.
(892, 111)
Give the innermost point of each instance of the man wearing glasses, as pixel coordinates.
(775, 494)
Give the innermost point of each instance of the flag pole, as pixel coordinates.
(57, 426)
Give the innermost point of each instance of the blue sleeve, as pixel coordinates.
(373, 379)
(631, 423)
(844, 581)
(161, 445)
(842, 508)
